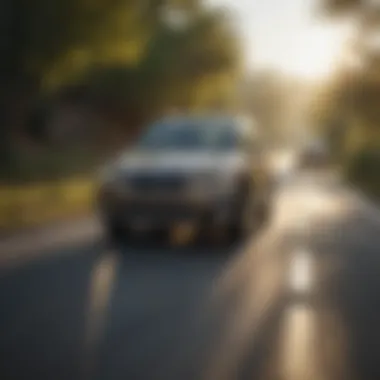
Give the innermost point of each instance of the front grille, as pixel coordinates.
(159, 211)
(153, 183)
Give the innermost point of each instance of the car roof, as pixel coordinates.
(240, 123)
(199, 118)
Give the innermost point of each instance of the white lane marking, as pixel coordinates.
(301, 276)
(100, 291)
(298, 351)
(298, 345)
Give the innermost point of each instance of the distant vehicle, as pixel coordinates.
(314, 154)
(205, 171)
(283, 164)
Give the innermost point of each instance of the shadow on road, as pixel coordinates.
(120, 314)
(349, 247)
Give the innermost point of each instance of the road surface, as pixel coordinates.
(299, 300)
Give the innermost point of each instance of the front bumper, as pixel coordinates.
(165, 211)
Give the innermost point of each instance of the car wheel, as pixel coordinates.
(203, 234)
(160, 235)
(245, 221)
(115, 232)
(207, 233)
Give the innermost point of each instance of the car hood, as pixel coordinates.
(179, 161)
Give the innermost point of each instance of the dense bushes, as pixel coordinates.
(363, 170)
(50, 165)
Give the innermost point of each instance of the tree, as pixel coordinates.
(192, 66)
(353, 97)
(137, 57)
(47, 43)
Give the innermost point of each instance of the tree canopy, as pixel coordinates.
(56, 42)
(128, 60)
(351, 101)
(137, 57)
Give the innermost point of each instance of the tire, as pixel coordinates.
(115, 232)
(205, 234)
(208, 233)
(159, 235)
(245, 220)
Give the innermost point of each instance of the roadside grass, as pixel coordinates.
(362, 171)
(23, 206)
(371, 189)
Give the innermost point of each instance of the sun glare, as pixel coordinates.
(289, 38)
(314, 55)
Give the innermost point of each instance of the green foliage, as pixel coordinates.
(174, 67)
(51, 165)
(57, 41)
(352, 98)
(340, 7)
(128, 56)
(363, 170)
(60, 38)
(356, 100)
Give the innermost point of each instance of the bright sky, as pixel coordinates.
(286, 35)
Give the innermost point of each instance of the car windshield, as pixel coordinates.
(189, 136)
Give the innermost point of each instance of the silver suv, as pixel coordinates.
(207, 171)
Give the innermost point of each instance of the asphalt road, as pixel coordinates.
(299, 300)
